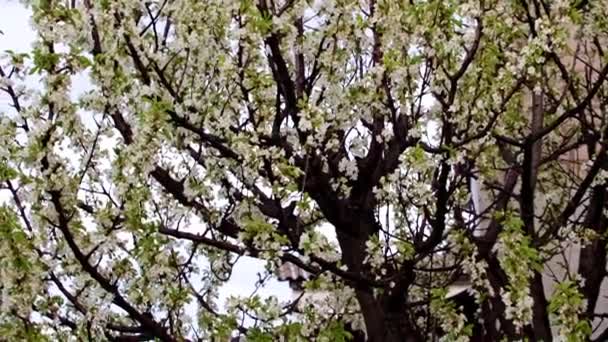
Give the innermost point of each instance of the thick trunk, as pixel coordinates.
(383, 325)
(383, 322)
(541, 328)
(592, 259)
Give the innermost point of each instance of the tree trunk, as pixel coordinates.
(540, 321)
(384, 321)
(383, 325)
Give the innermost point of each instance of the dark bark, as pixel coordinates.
(386, 317)
(592, 263)
(384, 324)
(541, 328)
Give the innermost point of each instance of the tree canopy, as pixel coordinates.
(388, 148)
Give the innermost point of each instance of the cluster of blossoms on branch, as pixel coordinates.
(436, 141)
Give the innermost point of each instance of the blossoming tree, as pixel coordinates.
(432, 137)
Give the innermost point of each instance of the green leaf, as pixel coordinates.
(335, 332)
(44, 61)
(7, 172)
(257, 335)
(84, 61)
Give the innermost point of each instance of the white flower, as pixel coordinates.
(349, 167)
